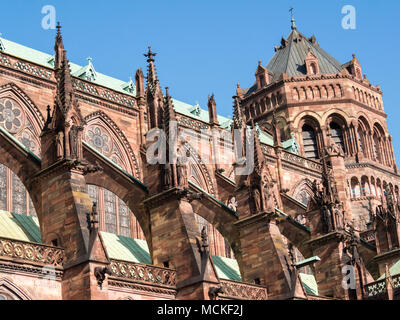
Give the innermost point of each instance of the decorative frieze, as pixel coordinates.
(300, 161)
(243, 291)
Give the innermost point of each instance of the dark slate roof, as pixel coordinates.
(289, 58)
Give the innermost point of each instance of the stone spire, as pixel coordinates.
(59, 49)
(152, 81)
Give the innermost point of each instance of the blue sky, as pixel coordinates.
(206, 46)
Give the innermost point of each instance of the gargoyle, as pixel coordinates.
(213, 292)
(100, 274)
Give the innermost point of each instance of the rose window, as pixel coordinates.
(11, 116)
(97, 138)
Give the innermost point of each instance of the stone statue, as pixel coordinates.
(60, 144)
(257, 200)
(339, 216)
(269, 197)
(167, 176)
(73, 142)
(182, 174)
(327, 218)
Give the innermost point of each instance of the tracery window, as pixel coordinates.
(304, 197)
(110, 212)
(17, 122)
(99, 138)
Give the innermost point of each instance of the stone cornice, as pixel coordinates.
(117, 283)
(387, 255)
(335, 236)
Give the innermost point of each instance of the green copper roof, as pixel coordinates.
(19, 227)
(127, 249)
(394, 270)
(309, 283)
(227, 268)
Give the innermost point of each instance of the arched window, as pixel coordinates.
(337, 134)
(313, 68)
(13, 195)
(376, 147)
(310, 142)
(373, 188)
(365, 188)
(355, 188)
(114, 215)
(361, 139)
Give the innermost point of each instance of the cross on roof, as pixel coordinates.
(150, 55)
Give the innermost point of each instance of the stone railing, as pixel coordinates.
(31, 252)
(242, 291)
(301, 161)
(379, 287)
(104, 93)
(26, 67)
(143, 273)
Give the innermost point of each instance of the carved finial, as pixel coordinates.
(167, 91)
(58, 29)
(150, 55)
(292, 19)
(89, 59)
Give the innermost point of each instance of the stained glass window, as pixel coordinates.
(110, 212)
(18, 195)
(3, 187)
(124, 219)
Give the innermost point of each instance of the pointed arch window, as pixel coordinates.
(114, 215)
(13, 195)
(310, 142)
(337, 134)
(110, 212)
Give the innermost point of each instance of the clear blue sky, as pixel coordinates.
(208, 46)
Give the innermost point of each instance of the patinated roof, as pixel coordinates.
(289, 58)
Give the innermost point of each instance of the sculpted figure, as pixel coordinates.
(327, 218)
(167, 175)
(257, 200)
(269, 197)
(60, 144)
(73, 141)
